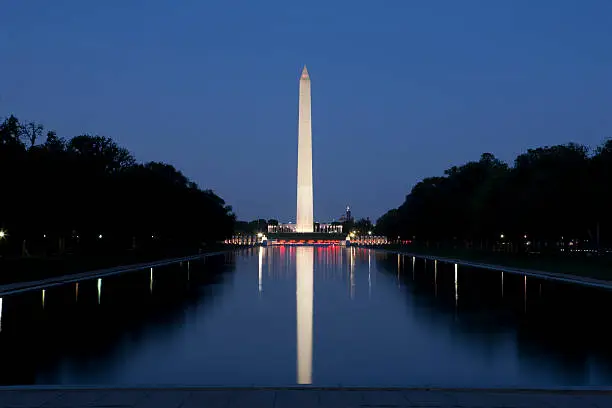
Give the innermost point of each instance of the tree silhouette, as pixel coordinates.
(31, 132)
(89, 194)
(550, 195)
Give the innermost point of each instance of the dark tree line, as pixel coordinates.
(361, 227)
(254, 227)
(61, 194)
(548, 197)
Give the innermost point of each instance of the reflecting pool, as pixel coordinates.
(323, 316)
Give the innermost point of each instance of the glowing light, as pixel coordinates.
(352, 273)
(44, 235)
(260, 269)
(501, 236)
(76, 290)
(352, 279)
(43, 298)
(525, 294)
(99, 289)
(456, 285)
(369, 273)
(369, 232)
(502, 284)
(3, 234)
(151, 282)
(100, 236)
(398, 266)
(259, 235)
(436, 277)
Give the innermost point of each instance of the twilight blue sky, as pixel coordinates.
(402, 89)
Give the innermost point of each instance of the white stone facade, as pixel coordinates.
(305, 216)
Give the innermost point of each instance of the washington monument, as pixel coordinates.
(304, 218)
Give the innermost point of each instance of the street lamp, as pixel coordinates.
(501, 236)
(2, 234)
(369, 232)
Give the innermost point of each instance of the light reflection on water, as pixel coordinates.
(304, 258)
(456, 286)
(435, 277)
(329, 316)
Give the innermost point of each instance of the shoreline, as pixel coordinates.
(554, 276)
(25, 286)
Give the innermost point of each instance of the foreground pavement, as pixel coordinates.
(299, 397)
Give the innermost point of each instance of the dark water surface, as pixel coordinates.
(321, 316)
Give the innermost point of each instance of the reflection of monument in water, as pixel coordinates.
(304, 268)
(304, 293)
(329, 259)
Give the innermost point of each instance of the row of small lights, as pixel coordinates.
(525, 236)
(502, 236)
(4, 234)
(353, 234)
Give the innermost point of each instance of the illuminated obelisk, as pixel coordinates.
(304, 218)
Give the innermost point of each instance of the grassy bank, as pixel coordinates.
(14, 270)
(598, 267)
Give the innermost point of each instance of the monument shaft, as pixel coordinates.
(305, 217)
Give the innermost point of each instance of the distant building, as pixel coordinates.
(328, 228)
(285, 227)
(347, 216)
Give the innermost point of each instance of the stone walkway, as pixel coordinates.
(296, 398)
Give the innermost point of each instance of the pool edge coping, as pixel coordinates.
(554, 276)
